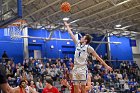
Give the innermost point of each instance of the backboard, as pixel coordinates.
(10, 11)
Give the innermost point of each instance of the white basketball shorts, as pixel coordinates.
(79, 73)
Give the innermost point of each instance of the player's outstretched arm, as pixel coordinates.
(6, 88)
(70, 32)
(94, 54)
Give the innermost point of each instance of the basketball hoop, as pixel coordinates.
(15, 29)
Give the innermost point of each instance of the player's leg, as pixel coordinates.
(75, 80)
(76, 87)
(83, 86)
(84, 81)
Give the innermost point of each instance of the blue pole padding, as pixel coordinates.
(19, 8)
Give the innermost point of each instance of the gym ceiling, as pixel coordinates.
(113, 17)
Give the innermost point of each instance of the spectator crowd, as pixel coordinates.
(124, 78)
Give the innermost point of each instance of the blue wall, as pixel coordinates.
(13, 48)
(121, 51)
(66, 49)
(102, 49)
(60, 49)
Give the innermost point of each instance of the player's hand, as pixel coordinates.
(109, 68)
(66, 24)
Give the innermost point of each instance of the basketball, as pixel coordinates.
(65, 6)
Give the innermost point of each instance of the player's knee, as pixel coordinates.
(76, 83)
(83, 82)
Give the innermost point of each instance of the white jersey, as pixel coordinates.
(81, 54)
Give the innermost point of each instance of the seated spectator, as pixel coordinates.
(11, 82)
(17, 74)
(130, 83)
(126, 78)
(90, 66)
(97, 86)
(135, 82)
(112, 90)
(135, 65)
(30, 76)
(103, 89)
(133, 89)
(58, 64)
(50, 61)
(97, 77)
(112, 75)
(32, 85)
(29, 89)
(121, 82)
(69, 62)
(39, 85)
(138, 90)
(126, 87)
(119, 75)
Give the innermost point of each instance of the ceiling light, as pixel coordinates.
(123, 2)
(119, 25)
(74, 21)
(68, 43)
(116, 42)
(66, 19)
(134, 32)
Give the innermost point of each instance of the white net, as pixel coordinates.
(15, 32)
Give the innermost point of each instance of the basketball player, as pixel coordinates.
(49, 87)
(83, 49)
(21, 87)
(4, 86)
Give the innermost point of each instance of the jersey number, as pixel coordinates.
(79, 54)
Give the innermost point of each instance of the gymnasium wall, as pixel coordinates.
(121, 51)
(61, 48)
(13, 48)
(135, 43)
(102, 49)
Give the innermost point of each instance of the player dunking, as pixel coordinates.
(80, 70)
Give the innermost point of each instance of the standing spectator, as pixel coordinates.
(49, 87)
(4, 55)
